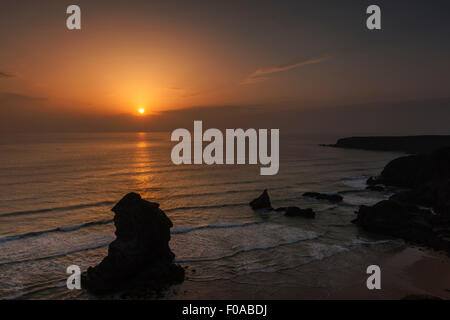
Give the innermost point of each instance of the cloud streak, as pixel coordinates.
(4, 74)
(18, 97)
(261, 75)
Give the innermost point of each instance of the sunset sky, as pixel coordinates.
(213, 58)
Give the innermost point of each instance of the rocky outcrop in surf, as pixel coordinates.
(427, 177)
(433, 195)
(297, 212)
(262, 202)
(139, 259)
(406, 221)
(421, 213)
(375, 187)
(324, 196)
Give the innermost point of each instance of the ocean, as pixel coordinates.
(56, 192)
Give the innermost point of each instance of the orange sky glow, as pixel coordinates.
(165, 56)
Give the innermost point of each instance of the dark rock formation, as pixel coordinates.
(375, 188)
(297, 212)
(371, 181)
(324, 196)
(426, 175)
(139, 257)
(421, 213)
(407, 144)
(262, 202)
(432, 195)
(405, 221)
(417, 170)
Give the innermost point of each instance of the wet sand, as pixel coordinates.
(405, 271)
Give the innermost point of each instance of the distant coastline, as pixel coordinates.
(406, 144)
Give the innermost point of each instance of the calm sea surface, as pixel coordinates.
(56, 191)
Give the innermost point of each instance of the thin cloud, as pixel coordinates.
(257, 76)
(289, 66)
(4, 74)
(188, 93)
(12, 96)
(252, 80)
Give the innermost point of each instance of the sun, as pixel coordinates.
(141, 110)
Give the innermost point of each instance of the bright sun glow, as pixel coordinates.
(141, 110)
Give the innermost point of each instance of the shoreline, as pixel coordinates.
(405, 271)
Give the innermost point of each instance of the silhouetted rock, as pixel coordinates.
(262, 202)
(420, 214)
(139, 257)
(324, 196)
(392, 218)
(415, 171)
(407, 144)
(375, 188)
(432, 195)
(371, 181)
(406, 221)
(426, 175)
(297, 212)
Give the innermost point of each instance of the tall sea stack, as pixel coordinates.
(140, 257)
